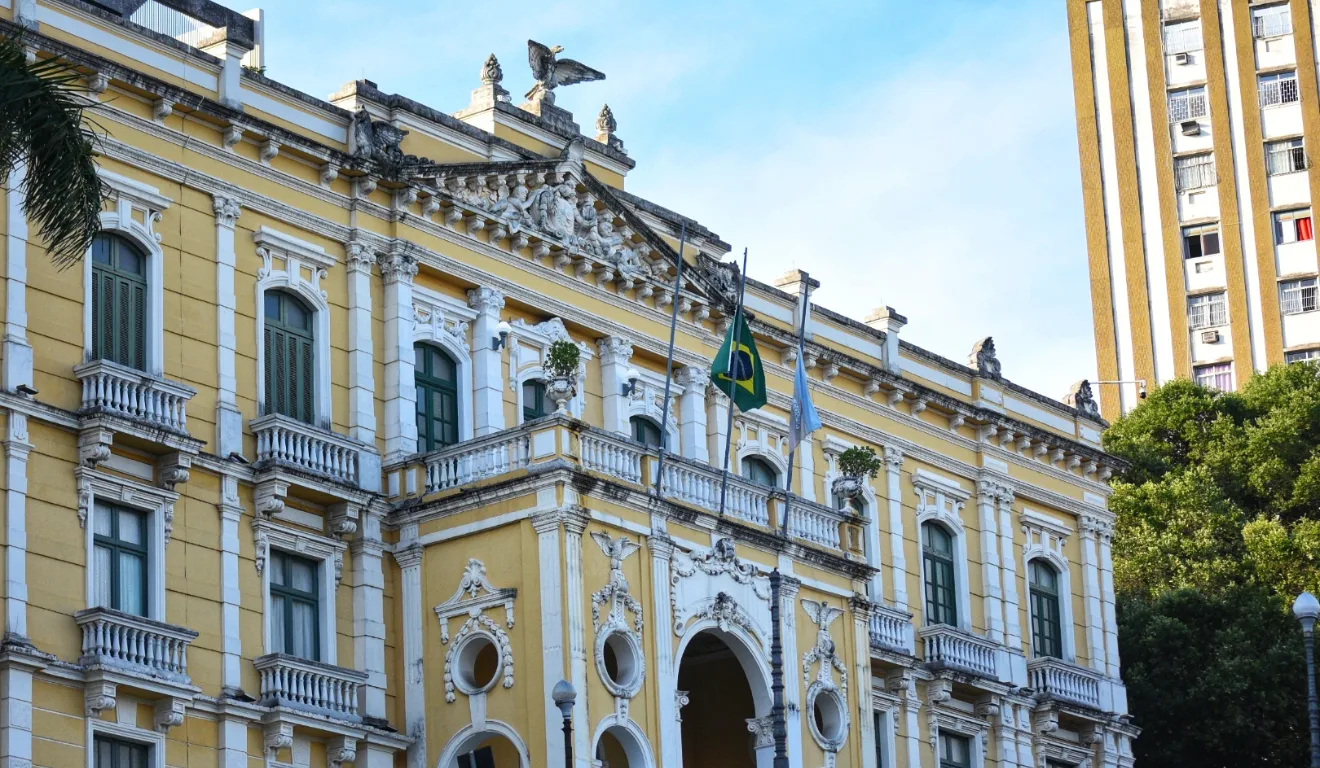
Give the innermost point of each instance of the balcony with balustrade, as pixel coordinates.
(314, 464)
(891, 631)
(143, 411)
(562, 443)
(149, 658)
(1060, 681)
(950, 648)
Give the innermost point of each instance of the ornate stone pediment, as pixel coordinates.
(473, 598)
(716, 585)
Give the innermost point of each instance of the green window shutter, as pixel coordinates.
(119, 303)
(437, 398)
(290, 364)
(304, 381)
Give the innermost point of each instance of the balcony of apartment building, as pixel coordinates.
(126, 653)
(561, 442)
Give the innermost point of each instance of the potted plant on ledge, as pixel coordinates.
(561, 369)
(856, 464)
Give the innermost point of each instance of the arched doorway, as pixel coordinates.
(620, 743)
(724, 690)
(495, 746)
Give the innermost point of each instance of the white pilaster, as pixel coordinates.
(361, 366)
(717, 425)
(671, 736)
(986, 493)
(233, 743)
(1095, 637)
(901, 683)
(1105, 537)
(788, 591)
(615, 354)
(16, 449)
(409, 558)
(231, 594)
(1008, 566)
(692, 412)
(228, 419)
(805, 484)
(16, 717)
(369, 615)
(862, 680)
(397, 270)
(17, 358)
(1002, 721)
(897, 558)
(546, 525)
(488, 397)
(575, 524)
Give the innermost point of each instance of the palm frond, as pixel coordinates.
(42, 126)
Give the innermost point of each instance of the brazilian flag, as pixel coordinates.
(737, 369)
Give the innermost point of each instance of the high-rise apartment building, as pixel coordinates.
(1196, 119)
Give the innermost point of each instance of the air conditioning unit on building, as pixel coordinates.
(1182, 58)
(1210, 337)
(1190, 128)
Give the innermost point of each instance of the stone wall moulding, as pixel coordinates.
(717, 586)
(474, 598)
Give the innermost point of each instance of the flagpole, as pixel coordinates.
(669, 363)
(796, 415)
(728, 427)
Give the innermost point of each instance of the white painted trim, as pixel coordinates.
(271, 246)
(329, 553)
(633, 739)
(947, 513)
(1062, 569)
(157, 57)
(920, 370)
(292, 246)
(149, 738)
(255, 97)
(462, 356)
(472, 735)
(155, 503)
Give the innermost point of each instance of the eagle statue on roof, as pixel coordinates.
(551, 72)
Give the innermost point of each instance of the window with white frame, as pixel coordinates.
(127, 529)
(1200, 241)
(1293, 226)
(1303, 356)
(1209, 310)
(295, 606)
(1046, 618)
(1271, 20)
(1216, 376)
(938, 566)
(955, 751)
(1187, 104)
(1298, 296)
(120, 540)
(1278, 88)
(118, 753)
(1287, 156)
(1195, 171)
(1182, 36)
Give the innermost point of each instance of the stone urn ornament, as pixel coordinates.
(856, 465)
(561, 368)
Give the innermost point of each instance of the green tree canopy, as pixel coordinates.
(1218, 529)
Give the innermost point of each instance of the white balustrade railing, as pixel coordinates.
(122, 391)
(311, 686)
(700, 487)
(610, 456)
(814, 523)
(134, 644)
(290, 442)
(950, 647)
(891, 629)
(476, 460)
(1058, 679)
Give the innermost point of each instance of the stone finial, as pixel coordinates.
(491, 73)
(983, 359)
(1081, 398)
(606, 125)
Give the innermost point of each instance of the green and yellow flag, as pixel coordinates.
(737, 369)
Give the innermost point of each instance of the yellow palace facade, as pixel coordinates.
(282, 485)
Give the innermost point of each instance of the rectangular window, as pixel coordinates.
(1208, 310)
(1287, 156)
(1278, 88)
(120, 559)
(295, 609)
(1195, 171)
(1200, 241)
(1187, 104)
(1271, 20)
(1298, 296)
(955, 751)
(113, 753)
(1293, 227)
(881, 735)
(1303, 356)
(1217, 376)
(1182, 36)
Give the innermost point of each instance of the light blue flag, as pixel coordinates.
(805, 418)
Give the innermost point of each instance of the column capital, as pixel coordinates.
(409, 556)
(227, 211)
(893, 457)
(1095, 527)
(662, 547)
(615, 349)
(486, 300)
(360, 257)
(694, 378)
(547, 521)
(397, 266)
(575, 521)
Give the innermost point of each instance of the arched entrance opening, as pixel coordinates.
(724, 690)
(496, 746)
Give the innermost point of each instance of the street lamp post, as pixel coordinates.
(564, 696)
(1306, 608)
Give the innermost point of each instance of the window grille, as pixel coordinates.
(1217, 376)
(1279, 88)
(1285, 157)
(1182, 37)
(1195, 172)
(1297, 296)
(1187, 104)
(1207, 311)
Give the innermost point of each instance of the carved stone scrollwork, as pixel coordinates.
(99, 696)
(617, 593)
(680, 700)
(168, 713)
(476, 595)
(762, 730)
(340, 750)
(983, 359)
(277, 736)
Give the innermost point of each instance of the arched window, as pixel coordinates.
(1046, 625)
(290, 359)
(533, 400)
(119, 301)
(645, 431)
(760, 471)
(437, 398)
(937, 560)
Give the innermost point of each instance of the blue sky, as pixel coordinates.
(917, 154)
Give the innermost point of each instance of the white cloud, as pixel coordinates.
(948, 191)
